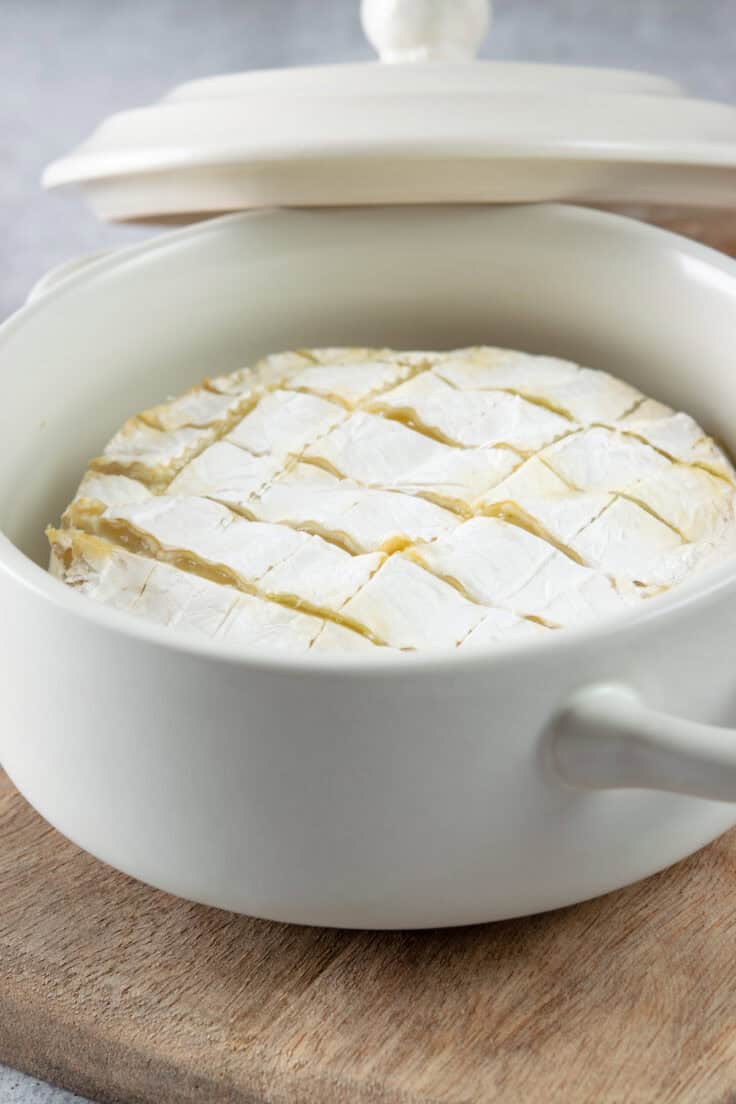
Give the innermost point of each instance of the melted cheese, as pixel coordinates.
(370, 502)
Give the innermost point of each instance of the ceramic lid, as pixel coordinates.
(425, 124)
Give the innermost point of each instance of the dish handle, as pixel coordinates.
(607, 738)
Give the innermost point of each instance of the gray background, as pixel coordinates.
(66, 63)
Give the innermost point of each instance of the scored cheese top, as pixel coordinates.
(363, 500)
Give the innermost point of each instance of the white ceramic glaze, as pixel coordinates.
(450, 131)
(61, 272)
(359, 78)
(398, 793)
(425, 30)
(607, 738)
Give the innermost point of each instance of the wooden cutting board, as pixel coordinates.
(123, 993)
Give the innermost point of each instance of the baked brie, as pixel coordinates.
(359, 500)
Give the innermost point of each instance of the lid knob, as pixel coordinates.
(425, 30)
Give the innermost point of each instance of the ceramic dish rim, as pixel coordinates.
(714, 585)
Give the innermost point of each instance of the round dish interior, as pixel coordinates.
(358, 500)
(655, 311)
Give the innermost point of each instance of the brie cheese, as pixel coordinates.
(481, 418)
(363, 501)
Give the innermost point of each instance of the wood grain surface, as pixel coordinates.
(126, 994)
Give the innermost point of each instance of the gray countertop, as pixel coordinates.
(16, 1088)
(64, 66)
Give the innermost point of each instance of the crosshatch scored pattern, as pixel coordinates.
(348, 500)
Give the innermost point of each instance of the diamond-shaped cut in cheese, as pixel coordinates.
(626, 541)
(270, 372)
(364, 519)
(600, 459)
(255, 623)
(364, 378)
(698, 505)
(382, 453)
(535, 496)
(199, 407)
(499, 626)
(583, 394)
(565, 594)
(488, 369)
(680, 564)
(682, 438)
(182, 600)
(225, 472)
(487, 557)
(111, 490)
(138, 444)
(590, 397)
(285, 422)
(320, 575)
(456, 478)
(406, 607)
(532, 479)
(477, 418)
(373, 451)
(501, 564)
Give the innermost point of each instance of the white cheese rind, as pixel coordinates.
(407, 607)
(364, 379)
(366, 519)
(586, 396)
(487, 369)
(285, 422)
(227, 473)
(101, 571)
(333, 638)
(184, 601)
(601, 459)
(272, 371)
(164, 595)
(111, 490)
(499, 564)
(211, 533)
(197, 408)
(254, 624)
(627, 542)
(475, 418)
(320, 575)
(534, 495)
(681, 438)
(280, 561)
(379, 453)
(138, 443)
(367, 501)
(500, 626)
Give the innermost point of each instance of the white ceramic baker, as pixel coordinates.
(390, 793)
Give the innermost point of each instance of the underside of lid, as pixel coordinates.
(444, 131)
